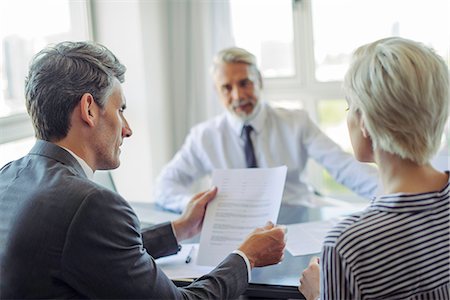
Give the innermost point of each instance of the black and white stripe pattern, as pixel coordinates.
(398, 248)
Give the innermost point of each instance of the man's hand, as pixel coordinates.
(310, 280)
(265, 246)
(190, 222)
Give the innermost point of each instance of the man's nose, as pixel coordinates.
(126, 130)
(236, 93)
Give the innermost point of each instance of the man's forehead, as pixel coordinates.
(234, 71)
(117, 91)
(123, 99)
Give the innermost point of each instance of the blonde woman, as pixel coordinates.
(398, 248)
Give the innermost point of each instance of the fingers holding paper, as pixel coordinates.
(191, 221)
(265, 245)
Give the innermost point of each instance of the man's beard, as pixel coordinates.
(243, 116)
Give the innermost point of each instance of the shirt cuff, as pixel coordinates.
(247, 263)
(175, 235)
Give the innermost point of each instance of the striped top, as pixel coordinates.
(398, 248)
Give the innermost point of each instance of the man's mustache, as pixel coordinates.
(241, 102)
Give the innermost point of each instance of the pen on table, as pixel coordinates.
(189, 256)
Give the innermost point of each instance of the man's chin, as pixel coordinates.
(248, 114)
(242, 116)
(110, 166)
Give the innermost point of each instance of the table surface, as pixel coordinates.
(277, 281)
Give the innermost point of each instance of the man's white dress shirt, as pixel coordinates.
(280, 137)
(87, 170)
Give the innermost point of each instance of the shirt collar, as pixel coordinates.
(257, 122)
(87, 170)
(402, 202)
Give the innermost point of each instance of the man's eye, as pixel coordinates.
(246, 83)
(226, 89)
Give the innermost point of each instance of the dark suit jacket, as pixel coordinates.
(64, 236)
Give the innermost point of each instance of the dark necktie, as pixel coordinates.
(250, 158)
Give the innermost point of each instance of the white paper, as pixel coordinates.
(175, 266)
(307, 238)
(246, 199)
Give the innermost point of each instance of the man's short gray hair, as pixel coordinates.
(236, 55)
(58, 77)
(401, 89)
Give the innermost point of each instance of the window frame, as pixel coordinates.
(18, 125)
(15, 127)
(304, 87)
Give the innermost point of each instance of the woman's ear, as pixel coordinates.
(88, 109)
(363, 128)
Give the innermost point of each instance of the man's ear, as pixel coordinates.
(88, 109)
(260, 79)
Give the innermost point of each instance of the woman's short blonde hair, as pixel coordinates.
(401, 89)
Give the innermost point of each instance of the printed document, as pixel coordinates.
(246, 199)
(307, 238)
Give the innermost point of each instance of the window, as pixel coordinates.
(25, 28)
(271, 42)
(341, 26)
(15, 149)
(309, 43)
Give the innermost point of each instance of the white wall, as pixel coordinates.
(135, 32)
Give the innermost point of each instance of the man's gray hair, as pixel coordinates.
(236, 55)
(58, 77)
